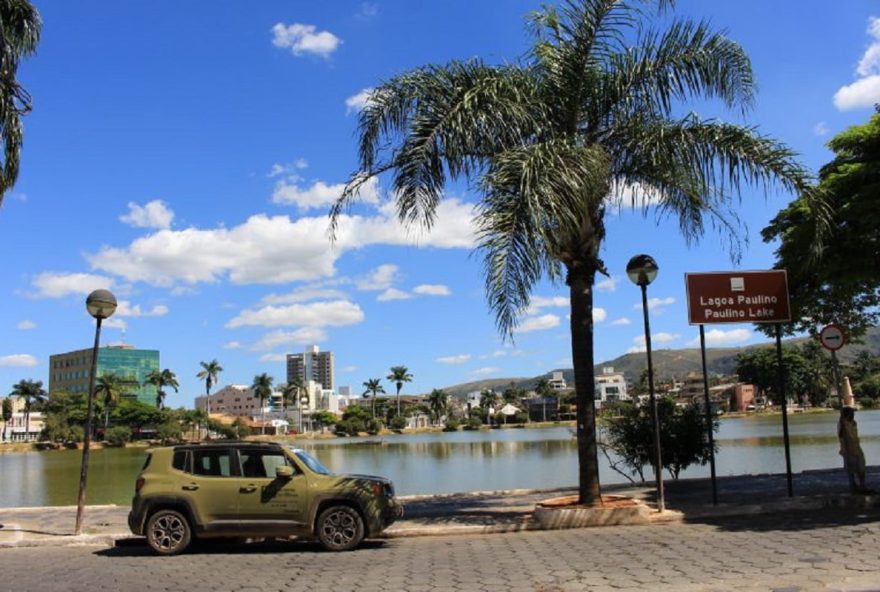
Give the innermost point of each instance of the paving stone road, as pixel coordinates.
(793, 552)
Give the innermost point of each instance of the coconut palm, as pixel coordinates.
(589, 116)
(29, 391)
(20, 26)
(438, 400)
(161, 379)
(291, 392)
(399, 375)
(6, 410)
(109, 389)
(262, 387)
(209, 373)
(374, 387)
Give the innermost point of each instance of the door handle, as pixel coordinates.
(191, 487)
(248, 489)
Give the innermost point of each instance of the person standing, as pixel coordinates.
(851, 449)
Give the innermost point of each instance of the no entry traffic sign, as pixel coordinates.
(831, 337)
(737, 297)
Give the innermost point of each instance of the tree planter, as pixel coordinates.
(565, 512)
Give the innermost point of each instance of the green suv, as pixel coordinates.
(249, 489)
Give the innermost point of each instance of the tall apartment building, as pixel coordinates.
(312, 365)
(70, 371)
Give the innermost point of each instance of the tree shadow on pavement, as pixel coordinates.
(798, 520)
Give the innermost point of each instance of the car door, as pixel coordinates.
(266, 502)
(211, 486)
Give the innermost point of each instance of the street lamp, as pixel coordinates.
(641, 270)
(101, 304)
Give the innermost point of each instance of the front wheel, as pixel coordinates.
(340, 528)
(168, 532)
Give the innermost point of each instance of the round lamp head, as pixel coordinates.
(101, 304)
(642, 269)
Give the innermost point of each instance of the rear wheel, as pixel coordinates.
(340, 528)
(168, 532)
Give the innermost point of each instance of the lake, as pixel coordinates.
(454, 461)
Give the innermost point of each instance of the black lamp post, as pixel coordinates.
(101, 304)
(641, 270)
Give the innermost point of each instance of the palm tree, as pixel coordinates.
(399, 375)
(161, 379)
(552, 141)
(262, 388)
(6, 410)
(20, 26)
(373, 386)
(291, 391)
(543, 390)
(29, 391)
(209, 373)
(109, 389)
(438, 401)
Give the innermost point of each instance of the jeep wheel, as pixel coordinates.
(340, 528)
(168, 532)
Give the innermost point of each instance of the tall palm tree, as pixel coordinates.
(160, 379)
(20, 26)
(109, 389)
(209, 373)
(262, 388)
(291, 392)
(29, 391)
(439, 402)
(543, 390)
(6, 413)
(399, 375)
(590, 115)
(374, 387)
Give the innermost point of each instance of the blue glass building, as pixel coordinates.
(70, 371)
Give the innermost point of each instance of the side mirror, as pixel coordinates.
(283, 472)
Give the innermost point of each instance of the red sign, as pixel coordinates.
(737, 297)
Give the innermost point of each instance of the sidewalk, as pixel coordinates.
(494, 512)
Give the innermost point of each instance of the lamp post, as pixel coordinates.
(641, 270)
(101, 304)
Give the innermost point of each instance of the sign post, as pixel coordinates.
(740, 297)
(832, 338)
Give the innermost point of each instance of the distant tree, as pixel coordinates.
(32, 393)
(161, 379)
(137, 414)
(840, 284)
(209, 373)
(488, 398)
(865, 364)
(262, 387)
(399, 375)
(438, 401)
(109, 390)
(545, 391)
(6, 407)
(118, 435)
(760, 368)
(291, 392)
(325, 419)
(373, 387)
(818, 372)
(21, 25)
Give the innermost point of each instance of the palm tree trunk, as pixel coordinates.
(398, 400)
(580, 281)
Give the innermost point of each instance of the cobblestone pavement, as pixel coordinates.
(829, 550)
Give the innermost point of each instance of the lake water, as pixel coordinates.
(453, 462)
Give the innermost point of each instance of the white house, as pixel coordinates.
(610, 387)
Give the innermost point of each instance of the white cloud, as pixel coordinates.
(26, 325)
(18, 361)
(656, 303)
(320, 195)
(357, 102)
(300, 39)
(125, 309)
(503, 353)
(633, 195)
(538, 302)
(380, 278)
(273, 358)
(279, 169)
(656, 339)
(114, 323)
(271, 250)
(459, 359)
(432, 290)
(348, 369)
(393, 294)
(608, 284)
(368, 10)
(637, 349)
(305, 335)
(865, 91)
(486, 370)
(720, 337)
(232, 345)
(621, 321)
(304, 294)
(335, 313)
(541, 323)
(59, 285)
(599, 314)
(821, 129)
(154, 214)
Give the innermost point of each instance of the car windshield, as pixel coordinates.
(313, 463)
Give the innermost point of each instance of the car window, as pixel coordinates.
(179, 460)
(212, 463)
(261, 463)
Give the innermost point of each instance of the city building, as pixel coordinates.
(313, 365)
(19, 428)
(610, 387)
(557, 383)
(239, 400)
(70, 371)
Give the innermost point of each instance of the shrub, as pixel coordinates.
(474, 423)
(452, 425)
(345, 427)
(170, 431)
(398, 422)
(118, 435)
(521, 417)
(374, 426)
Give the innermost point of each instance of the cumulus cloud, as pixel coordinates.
(656, 303)
(393, 294)
(315, 314)
(357, 102)
(232, 345)
(503, 353)
(486, 370)
(59, 285)
(380, 278)
(26, 325)
(114, 323)
(319, 194)
(656, 339)
(540, 323)
(599, 314)
(608, 284)
(459, 359)
(865, 91)
(305, 294)
(154, 214)
(273, 358)
(721, 337)
(539, 302)
(432, 290)
(305, 335)
(302, 39)
(621, 321)
(821, 129)
(18, 361)
(125, 309)
(279, 169)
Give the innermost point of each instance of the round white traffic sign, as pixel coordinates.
(831, 337)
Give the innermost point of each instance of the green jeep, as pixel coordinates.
(250, 489)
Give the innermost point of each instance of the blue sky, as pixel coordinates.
(183, 154)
